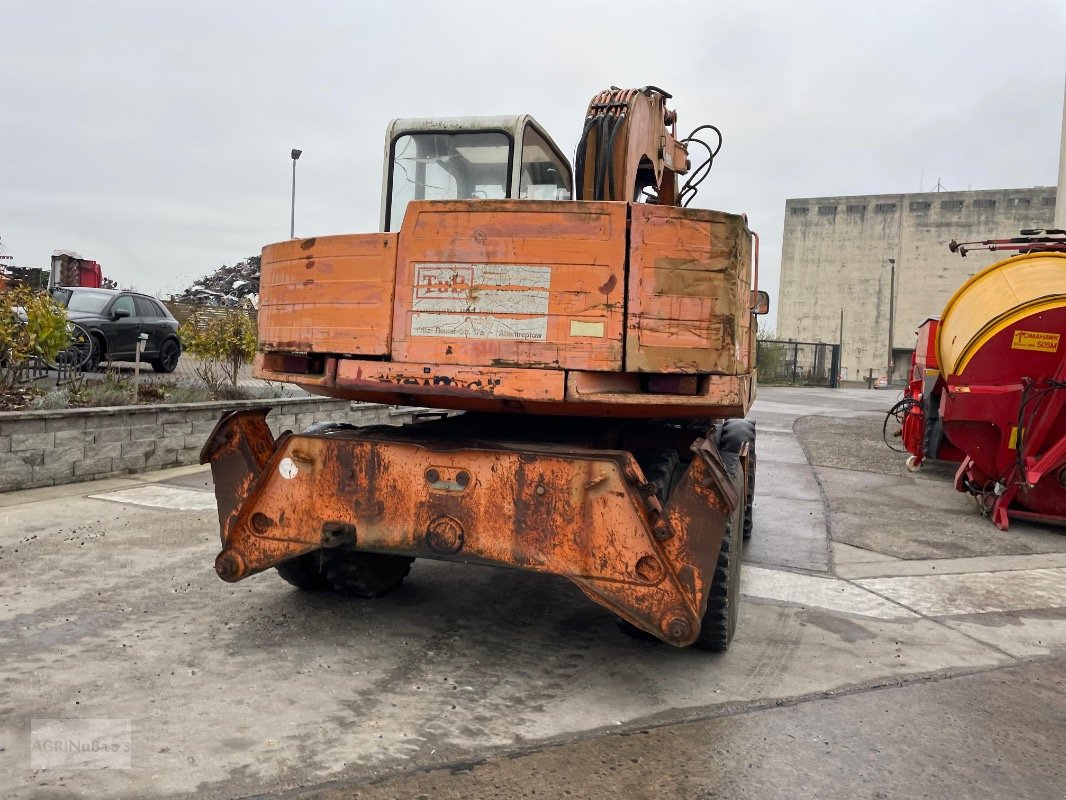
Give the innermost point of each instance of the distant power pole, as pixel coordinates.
(891, 317)
(1060, 197)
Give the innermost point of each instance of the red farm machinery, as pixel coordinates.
(988, 382)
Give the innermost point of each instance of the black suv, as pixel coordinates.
(117, 319)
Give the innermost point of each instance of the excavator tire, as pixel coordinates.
(346, 571)
(731, 436)
(720, 618)
(305, 572)
(366, 574)
(661, 469)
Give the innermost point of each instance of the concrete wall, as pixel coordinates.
(43, 448)
(836, 256)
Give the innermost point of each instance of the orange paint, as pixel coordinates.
(529, 298)
(579, 512)
(330, 294)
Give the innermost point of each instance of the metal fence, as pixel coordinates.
(798, 363)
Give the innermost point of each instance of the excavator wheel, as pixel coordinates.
(346, 571)
(305, 572)
(662, 469)
(731, 436)
(720, 618)
(366, 574)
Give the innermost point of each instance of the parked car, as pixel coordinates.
(117, 319)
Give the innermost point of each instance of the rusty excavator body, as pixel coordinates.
(596, 334)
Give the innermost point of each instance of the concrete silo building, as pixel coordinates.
(841, 256)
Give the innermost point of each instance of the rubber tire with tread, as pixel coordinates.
(662, 469)
(723, 600)
(163, 363)
(305, 572)
(730, 438)
(347, 571)
(366, 574)
(99, 354)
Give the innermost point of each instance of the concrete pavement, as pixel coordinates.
(111, 610)
(945, 738)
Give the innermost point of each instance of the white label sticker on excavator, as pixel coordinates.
(481, 288)
(288, 469)
(479, 326)
(475, 301)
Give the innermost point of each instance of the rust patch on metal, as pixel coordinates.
(581, 513)
(444, 535)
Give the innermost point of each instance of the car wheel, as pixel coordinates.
(169, 354)
(98, 355)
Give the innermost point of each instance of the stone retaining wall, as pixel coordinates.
(44, 448)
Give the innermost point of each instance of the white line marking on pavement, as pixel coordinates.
(796, 409)
(976, 592)
(830, 594)
(889, 567)
(171, 497)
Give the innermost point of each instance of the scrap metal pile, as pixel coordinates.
(228, 286)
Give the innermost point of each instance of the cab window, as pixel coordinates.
(448, 166)
(545, 175)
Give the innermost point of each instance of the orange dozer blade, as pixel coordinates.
(585, 513)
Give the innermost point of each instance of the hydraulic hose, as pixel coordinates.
(579, 159)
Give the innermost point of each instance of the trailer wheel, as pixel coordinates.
(305, 572)
(720, 618)
(365, 574)
(730, 438)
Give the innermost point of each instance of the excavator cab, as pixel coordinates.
(470, 158)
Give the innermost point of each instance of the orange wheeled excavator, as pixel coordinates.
(597, 335)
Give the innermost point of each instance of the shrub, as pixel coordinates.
(50, 401)
(182, 393)
(225, 340)
(32, 325)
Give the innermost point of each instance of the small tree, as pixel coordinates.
(31, 325)
(224, 339)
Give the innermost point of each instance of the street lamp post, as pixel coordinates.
(891, 314)
(292, 218)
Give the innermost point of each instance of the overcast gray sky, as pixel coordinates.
(154, 137)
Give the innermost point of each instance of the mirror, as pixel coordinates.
(760, 302)
(120, 313)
